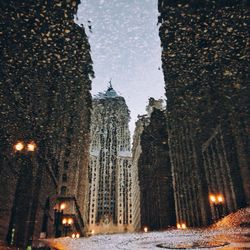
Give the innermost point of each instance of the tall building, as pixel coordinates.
(151, 159)
(205, 68)
(110, 204)
(45, 70)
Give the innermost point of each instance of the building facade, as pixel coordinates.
(110, 202)
(205, 69)
(45, 113)
(151, 159)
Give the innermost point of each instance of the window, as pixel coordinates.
(63, 190)
(66, 165)
(64, 178)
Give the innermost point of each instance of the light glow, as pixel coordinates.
(179, 226)
(73, 236)
(62, 206)
(212, 198)
(77, 235)
(70, 221)
(183, 226)
(19, 146)
(220, 198)
(31, 147)
(64, 221)
(145, 229)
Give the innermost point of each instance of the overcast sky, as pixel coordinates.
(125, 46)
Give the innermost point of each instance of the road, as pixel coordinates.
(226, 239)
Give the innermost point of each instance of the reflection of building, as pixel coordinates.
(151, 159)
(44, 73)
(205, 68)
(110, 203)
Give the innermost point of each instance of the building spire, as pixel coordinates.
(110, 84)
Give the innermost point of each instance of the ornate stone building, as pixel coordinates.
(151, 159)
(110, 202)
(206, 75)
(45, 70)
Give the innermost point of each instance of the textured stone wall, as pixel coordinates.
(110, 164)
(45, 70)
(205, 66)
(151, 156)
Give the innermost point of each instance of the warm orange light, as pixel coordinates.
(19, 146)
(31, 147)
(77, 235)
(70, 221)
(145, 229)
(62, 206)
(212, 198)
(179, 226)
(220, 198)
(64, 221)
(92, 231)
(183, 226)
(73, 236)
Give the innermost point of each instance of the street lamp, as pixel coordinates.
(19, 146)
(28, 147)
(58, 214)
(181, 225)
(217, 201)
(67, 222)
(75, 235)
(31, 146)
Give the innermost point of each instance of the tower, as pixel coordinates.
(110, 205)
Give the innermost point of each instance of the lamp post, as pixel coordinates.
(58, 215)
(181, 225)
(217, 201)
(67, 223)
(21, 223)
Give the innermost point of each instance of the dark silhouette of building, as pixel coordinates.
(205, 67)
(45, 70)
(154, 169)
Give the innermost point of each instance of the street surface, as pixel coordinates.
(173, 239)
(230, 233)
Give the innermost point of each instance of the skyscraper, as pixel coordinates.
(151, 159)
(110, 204)
(204, 59)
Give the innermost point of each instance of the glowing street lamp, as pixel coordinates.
(64, 221)
(220, 199)
(62, 206)
(19, 146)
(181, 226)
(212, 198)
(75, 236)
(70, 221)
(217, 201)
(31, 147)
(67, 222)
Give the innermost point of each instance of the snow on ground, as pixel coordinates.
(231, 233)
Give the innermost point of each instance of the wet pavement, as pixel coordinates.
(226, 239)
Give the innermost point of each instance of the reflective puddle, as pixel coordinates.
(193, 245)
